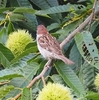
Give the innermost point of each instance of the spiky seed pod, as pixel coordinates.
(54, 91)
(18, 40)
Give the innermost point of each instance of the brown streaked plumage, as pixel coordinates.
(49, 46)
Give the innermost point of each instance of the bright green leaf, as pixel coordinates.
(5, 90)
(25, 10)
(92, 96)
(26, 94)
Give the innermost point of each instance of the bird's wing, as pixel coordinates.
(50, 44)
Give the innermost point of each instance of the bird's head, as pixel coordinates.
(41, 29)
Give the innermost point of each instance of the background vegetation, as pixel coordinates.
(61, 17)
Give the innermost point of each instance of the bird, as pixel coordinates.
(49, 47)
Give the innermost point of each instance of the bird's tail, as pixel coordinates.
(66, 60)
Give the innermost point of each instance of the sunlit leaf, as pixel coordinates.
(26, 94)
(92, 96)
(5, 90)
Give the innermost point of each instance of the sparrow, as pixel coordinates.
(48, 46)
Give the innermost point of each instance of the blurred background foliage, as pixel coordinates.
(60, 17)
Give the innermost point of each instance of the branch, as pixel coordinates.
(41, 75)
(93, 13)
(78, 29)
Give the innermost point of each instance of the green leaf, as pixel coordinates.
(24, 10)
(76, 57)
(26, 94)
(3, 3)
(25, 53)
(87, 75)
(92, 96)
(53, 26)
(45, 3)
(31, 22)
(28, 71)
(69, 77)
(3, 35)
(17, 17)
(3, 9)
(9, 74)
(5, 90)
(57, 79)
(5, 56)
(87, 48)
(10, 27)
(59, 9)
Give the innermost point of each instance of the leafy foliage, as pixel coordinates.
(70, 77)
(27, 94)
(5, 90)
(61, 17)
(87, 48)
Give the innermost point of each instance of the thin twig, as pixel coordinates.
(43, 80)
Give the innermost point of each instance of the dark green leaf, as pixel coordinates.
(28, 71)
(75, 57)
(10, 27)
(3, 35)
(45, 3)
(87, 48)
(57, 79)
(87, 75)
(5, 56)
(3, 3)
(53, 26)
(69, 77)
(31, 22)
(58, 9)
(17, 17)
